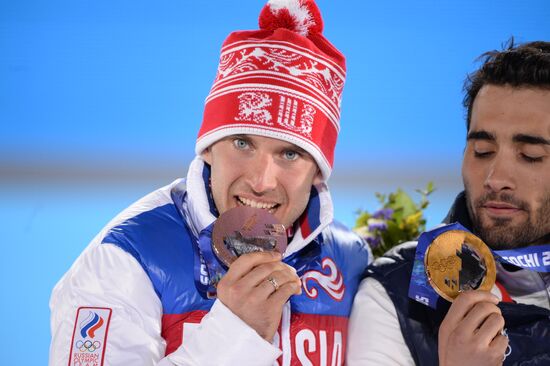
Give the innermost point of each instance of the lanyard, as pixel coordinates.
(534, 258)
(208, 269)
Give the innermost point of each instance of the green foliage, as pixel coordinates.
(399, 219)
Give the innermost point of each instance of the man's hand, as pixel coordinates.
(470, 334)
(246, 289)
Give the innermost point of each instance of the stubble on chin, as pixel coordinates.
(497, 233)
(502, 233)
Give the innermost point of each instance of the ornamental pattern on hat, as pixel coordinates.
(282, 60)
(283, 81)
(253, 106)
(287, 116)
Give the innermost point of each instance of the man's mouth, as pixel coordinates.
(498, 208)
(269, 206)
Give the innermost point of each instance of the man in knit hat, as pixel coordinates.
(156, 287)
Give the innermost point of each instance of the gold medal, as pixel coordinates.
(458, 261)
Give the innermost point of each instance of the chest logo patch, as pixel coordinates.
(330, 280)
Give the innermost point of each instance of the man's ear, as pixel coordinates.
(318, 177)
(206, 155)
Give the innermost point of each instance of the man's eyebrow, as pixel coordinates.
(530, 139)
(243, 136)
(481, 135)
(298, 149)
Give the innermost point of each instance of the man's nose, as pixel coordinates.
(500, 175)
(262, 174)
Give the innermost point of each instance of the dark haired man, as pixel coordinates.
(506, 202)
(143, 292)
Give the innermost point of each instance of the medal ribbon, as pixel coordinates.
(208, 269)
(534, 258)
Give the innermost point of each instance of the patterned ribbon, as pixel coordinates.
(208, 268)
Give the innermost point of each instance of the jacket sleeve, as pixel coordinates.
(107, 277)
(374, 334)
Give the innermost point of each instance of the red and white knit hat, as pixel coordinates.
(283, 81)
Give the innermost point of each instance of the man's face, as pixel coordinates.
(506, 167)
(262, 172)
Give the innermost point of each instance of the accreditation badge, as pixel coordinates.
(450, 260)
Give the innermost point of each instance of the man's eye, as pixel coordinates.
(482, 154)
(240, 144)
(291, 155)
(531, 159)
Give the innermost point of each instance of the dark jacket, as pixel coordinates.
(527, 326)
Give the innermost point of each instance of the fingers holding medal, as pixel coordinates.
(472, 331)
(284, 279)
(461, 269)
(260, 275)
(273, 283)
(257, 284)
(256, 287)
(454, 264)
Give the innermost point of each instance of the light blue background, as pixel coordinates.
(100, 103)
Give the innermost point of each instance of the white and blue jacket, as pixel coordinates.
(131, 299)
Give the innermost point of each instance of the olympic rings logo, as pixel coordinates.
(88, 346)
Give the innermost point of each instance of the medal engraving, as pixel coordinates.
(243, 230)
(458, 261)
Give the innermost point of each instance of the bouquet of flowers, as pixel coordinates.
(398, 220)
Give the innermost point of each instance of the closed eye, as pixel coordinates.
(532, 159)
(482, 154)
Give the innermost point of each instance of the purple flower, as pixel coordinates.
(371, 237)
(376, 224)
(383, 213)
(373, 241)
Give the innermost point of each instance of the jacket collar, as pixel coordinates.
(459, 212)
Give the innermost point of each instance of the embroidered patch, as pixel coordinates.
(90, 336)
